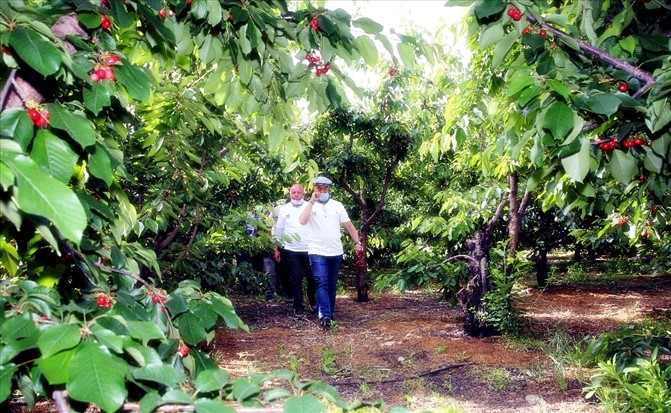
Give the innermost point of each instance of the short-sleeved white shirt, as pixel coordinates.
(324, 228)
(294, 235)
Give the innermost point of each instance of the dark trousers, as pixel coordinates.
(298, 265)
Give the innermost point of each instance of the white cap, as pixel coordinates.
(322, 180)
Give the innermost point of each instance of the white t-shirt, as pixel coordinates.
(288, 228)
(324, 228)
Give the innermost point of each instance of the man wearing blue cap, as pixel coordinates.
(323, 217)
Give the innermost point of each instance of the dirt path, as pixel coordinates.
(410, 350)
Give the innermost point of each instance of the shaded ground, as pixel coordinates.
(410, 350)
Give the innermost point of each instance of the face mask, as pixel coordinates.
(296, 202)
(324, 198)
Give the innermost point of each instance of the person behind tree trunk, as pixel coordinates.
(323, 217)
(294, 248)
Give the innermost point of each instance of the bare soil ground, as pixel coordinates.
(409, 349)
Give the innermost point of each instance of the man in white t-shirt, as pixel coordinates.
(323, 218)
(293, 237)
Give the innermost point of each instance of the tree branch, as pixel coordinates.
(171, 236)
(461, 257)
(524, 203)
(193, 234)
(8, 85)
(648, 79)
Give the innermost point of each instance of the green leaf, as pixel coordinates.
(486, 8)
(491, 35)
(211, 380)
(559, 120)
(96, 98)
(97, 377)
(57, 367)
(76, 126)
(212, 406)
(558, 87)
(407, 54)
(134, 79)
(107, 338)
(6, 375)
(304, 404)
(224, 308)
(57, 338)
(244, 389)
(144, 330)
(43, 195)
(191, 328)
(100, 165)
(90, 20)
(164, 374)
(54, 155)
(367, 48)
(606, 104)
(623, 166)
(369, 26)
(577, 165)
(502, 48)
(35, 50)
(519, 84)
(176, 397)
(276, 137)
(652, 162)
(16, 124)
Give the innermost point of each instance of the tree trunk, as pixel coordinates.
(542, 275)
(362, 271)
(471, 295)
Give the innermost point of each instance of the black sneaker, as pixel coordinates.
(299, 313)
(312, 309)
(325, 323)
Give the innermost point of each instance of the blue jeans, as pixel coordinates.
(325, 270)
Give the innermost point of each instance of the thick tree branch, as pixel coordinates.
(383, 196)
(171, 236)
(524, 203)
(8, 86)
(193, 234)
(648, 79)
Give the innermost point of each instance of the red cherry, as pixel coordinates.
(638, 141)
(101, 73)
(41, 122)
(94, 77)
(162, 13)
(622, 87)
(156, 299)
(6, 50)
(44, 317)
(604, 146)
(188, 1)
(182, 350)
(112, 59)
(642, 177)
(230, 16)
(543, 33)
(34, 114)
(171, 13)
(109, 74)
(517, 16)
(526, 31)
(512, 11)
(101, 300)
(106, 24)
(628, 144)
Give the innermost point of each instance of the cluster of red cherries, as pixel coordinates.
(316, 61)
(314, 25)
(105, 22)
(104, 71)
(514, 14)
(103, 301)
(40, 119)
(627, 143)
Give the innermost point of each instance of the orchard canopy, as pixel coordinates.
(137, 137)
